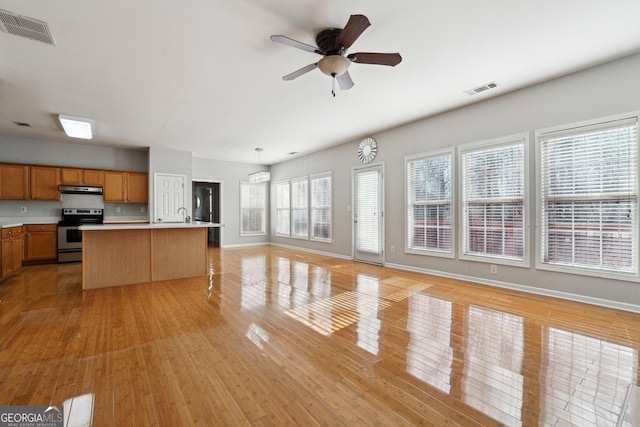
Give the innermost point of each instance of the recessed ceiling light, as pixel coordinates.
(76, 127)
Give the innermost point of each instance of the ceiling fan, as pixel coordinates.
(332, 45)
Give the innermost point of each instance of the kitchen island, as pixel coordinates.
(125, 254)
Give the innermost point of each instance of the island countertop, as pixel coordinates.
(149, 226)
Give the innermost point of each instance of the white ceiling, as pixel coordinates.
(203, 76)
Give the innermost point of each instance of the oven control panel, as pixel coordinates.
(81, 211)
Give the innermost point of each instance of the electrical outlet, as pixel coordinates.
(393, 249)
(117, 209)
(493, 269)
(23, 209)
(143, 209)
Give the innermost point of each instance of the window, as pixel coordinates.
(429, 203)
(589, 197)
(493, 185)
(283, 212)
(300, 208)
(321, 207)
(252, 208)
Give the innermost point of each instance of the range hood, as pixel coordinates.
(80, 189)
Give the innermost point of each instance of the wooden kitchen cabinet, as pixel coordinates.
(14, 182)
(78, 176)
(44, 183)
(137, 187)
(41, 243)
(72, 176)
(114, 186)
(93, 177)
(11, 252)
(127, 187)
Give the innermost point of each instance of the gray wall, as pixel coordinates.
(598, 92)
(229, 175)
(172, 162)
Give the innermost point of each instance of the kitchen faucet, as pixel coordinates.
(187, 218)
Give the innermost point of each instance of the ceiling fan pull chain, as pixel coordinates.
(333, 84)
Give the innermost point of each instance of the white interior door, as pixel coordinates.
(169, 198)
(368, 221)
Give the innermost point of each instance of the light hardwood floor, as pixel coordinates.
(279, 337)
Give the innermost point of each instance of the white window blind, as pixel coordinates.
(367, 212)
(429, 203)
(321, 207)
(300, 208)
(493, 195)
(589, 196)
(283, 212)
(252, 208)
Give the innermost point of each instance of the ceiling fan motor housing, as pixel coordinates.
(326, 41)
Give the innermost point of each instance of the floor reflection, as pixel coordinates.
(586, 379)
(493, 382)
(429, 352)
(509, 368)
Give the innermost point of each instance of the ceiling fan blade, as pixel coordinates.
(300, 72)
(344, 81)
(294, 43)
(355, 26)
(391, 59)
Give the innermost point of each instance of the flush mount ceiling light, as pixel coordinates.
(259, 176)
(76, 127)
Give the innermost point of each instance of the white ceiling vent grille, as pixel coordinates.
(482, 88)
(25, 27)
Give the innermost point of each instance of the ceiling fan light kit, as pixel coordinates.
(332, 44)
(334, 65)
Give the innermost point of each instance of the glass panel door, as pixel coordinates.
(367, 214)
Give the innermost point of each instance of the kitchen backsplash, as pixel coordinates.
(51, 211)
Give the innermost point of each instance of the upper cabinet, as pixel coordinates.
(137, 187)
(114, 186)
(44, 183)
(36, 182)
(93, 177)
(14, 182)
(77, 176)
(126, 187)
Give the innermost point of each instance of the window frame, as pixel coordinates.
(489, 144)
(293, 181)
(312, 207)
(595, 124)
(452, 205)
(243, 186)
(286, 183)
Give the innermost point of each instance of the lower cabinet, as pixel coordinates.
(12, 250)
(41, 243)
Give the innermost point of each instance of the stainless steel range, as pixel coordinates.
(69, 234)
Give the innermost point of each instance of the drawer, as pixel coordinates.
(31, 228)
(11, 232)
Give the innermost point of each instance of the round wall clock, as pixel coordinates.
(367, 150)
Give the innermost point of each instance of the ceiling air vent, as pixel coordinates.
(22, 124)
(482, 88)
(25, 27)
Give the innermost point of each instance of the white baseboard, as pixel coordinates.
(244, 245)
(523, 288)
(311, 251)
